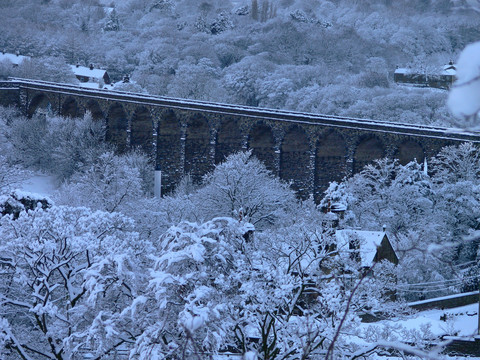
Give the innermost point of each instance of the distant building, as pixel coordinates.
(90, 74)
(15, 59)
(441, 79)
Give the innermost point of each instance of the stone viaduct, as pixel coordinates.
(187, 136)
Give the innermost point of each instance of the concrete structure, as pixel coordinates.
(187, 136)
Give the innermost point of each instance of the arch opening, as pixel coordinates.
(197, 146)
(368, 149)
(295, 161)
(95, 110)
(229, 140)
(262, 143)
(408, 151)
(70, 108)
(169, 151)
(141, 135)
(40, 104)
(330, 163)
(117, 125)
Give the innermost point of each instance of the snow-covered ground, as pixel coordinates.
(39, 184)
(460, 321)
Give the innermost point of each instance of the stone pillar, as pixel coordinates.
(212, 147)
(311, 169)
(183, 137)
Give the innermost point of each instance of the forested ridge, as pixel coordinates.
(335, 57)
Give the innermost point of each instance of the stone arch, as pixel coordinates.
(169, 151)
(40, 103)
(330, 162)
(229, 140)
(262, 143)
(410, 150)
(197, 148)
(295, 161)
(117, 125)
(142, 129)
(368, 149)
(70, 108)
(94, 108)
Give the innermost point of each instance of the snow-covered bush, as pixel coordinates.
(110, 184)
(57, 145)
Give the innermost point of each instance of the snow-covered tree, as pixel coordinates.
(66, 274)
(54, 144)
(242, 187)
(215, 286)
(110, 184)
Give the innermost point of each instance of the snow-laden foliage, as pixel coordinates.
(11, 173)
(65, 275)
(111, 182)
(54, 144)
(242, 187)
(217, 286)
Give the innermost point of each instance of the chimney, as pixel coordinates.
(17, 53)
(384, 228)
(91, 66)
(78, 65)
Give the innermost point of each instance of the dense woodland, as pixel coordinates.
(334, 57)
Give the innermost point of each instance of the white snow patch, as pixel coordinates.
(460, 321)
(39, 184)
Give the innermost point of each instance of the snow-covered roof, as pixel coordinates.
(87, 72)
(402, 71)
(368, 242)
(449, 69)
(13, 58)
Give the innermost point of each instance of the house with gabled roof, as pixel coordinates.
(367, 247)
(90, 74)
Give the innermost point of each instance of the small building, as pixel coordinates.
(15, 59)
(367, 247)
(443, 78)
(90, 74)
